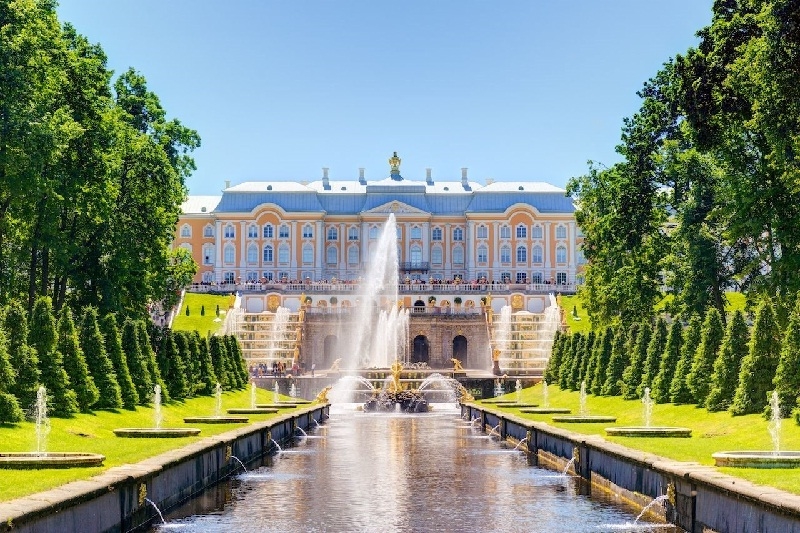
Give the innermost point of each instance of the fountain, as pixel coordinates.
(774, 458)
(217, 418)
(240, 463)
(254, 409)
(518, 389)
(648, 430)
(583, 416)
(394, 397)
(276, 395)
(40, 458)
(156, 431)
(546, 409)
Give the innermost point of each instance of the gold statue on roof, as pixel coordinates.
(394, 163)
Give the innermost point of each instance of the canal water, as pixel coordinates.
(365, 472)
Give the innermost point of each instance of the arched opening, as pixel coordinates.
(460, 349)
(421, 350)
(419, 306)
(330, 349)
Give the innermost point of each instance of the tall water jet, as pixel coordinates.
(218, 400)
(545, 399)
(518, 389)
(253, 395)
(381, 329)
(157, 407)
(647, 402)
(775, 422)
(582, 410)
(276, 397)
(647, 430)
(42, 422)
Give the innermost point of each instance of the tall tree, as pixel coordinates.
(10, 411)
(150, 359)
(679, 392)
(703, 362)
(207, 380)
(669, 360)
(554, 361)
(23, 357)
(655, 350)
(632, 375)
(620, 359)
(601, 362)
(140, 374)
(787, 377)
(75, 363)
(42, 336)
(725, 376)
(113, 344)
(100, 366)
(172, 367)
(759, 366)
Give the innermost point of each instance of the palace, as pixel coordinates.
(326, 230)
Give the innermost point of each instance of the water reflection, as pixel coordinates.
(379, 472)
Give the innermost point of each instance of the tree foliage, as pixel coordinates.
(100, 366)
(75, 362)
(43, 338)
(725, 376)
(759, 366)
(669, 360)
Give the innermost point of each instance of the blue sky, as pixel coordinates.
(517, 90)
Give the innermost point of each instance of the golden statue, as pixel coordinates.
(489, 301)
(302, 299)
(399, 304)
(273, 302)
(296, 354)
(322, 397)
(396, 369)
(457, 365)
(496, 355)
(394, 163)
(516, 301)
(463, 395)
(335, 365)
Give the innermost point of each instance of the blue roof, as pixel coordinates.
(237, 202)
(544, 202)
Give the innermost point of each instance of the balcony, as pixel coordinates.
(413, 266)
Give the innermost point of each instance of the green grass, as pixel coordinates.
(582, 323)
(203, 324)
(711, 432)
(93, 433)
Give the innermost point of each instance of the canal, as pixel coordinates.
(396, 472)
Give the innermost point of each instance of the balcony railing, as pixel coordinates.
(414, 266)
(403, 288)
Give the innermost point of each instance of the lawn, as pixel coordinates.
(202, 323)
(711, 432)
(93, 433)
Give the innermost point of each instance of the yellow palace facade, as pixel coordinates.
(516, 233)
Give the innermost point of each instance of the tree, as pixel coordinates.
(181, 339)
(554, 362)
(219, 355)
(172, 367)
(601, 362)
(703, 362)
(113, 344)
(75, 363)
(567, 357)
(100, 366)
(655, 350)
(238, 362)
(23, 357)
(150, 359)
(43, 338)
(669, 360)
(679, 392)
(725, 376)
(9, 406)
(620, 359)
(759, 366)
(137, 365)
(787, 377)
(632, 376)
(206, 379)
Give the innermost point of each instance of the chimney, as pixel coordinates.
(428, 178)
(325, 183)
(227, 184)
(361, 179)
(464, 182)
(489, 181)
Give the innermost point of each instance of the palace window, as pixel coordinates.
(331, 255)
(483, 255)
(283, 254)
(208, 254)
(505, 277)
(522, 231)
(536, 255)
(283, 231)
(537, 278)
(483, 232)
(352, 234)
(458, 256)
(561, 278)
(522, 254)
(505, 232)
(308, 254)
(522, 277)
(399, 233)
(229, 277)
(561, 232)
(269, 231)
(186, 231)
(229, 254)
(268, 254)
(230, 232)
(308, 231)
(352, 255)
(561, 254)
(208, 277)
(536, 232)
(268, 276)
(333, 235)
(252, 254)
(373, 232)
(505, 254)
(436, 255)
(581, 258)
(416, 232)
(458, 234)
(416, 255)
(252, 232)
(251, 277)
(436, 234)
(208, 231)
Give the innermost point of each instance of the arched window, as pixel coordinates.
(505, 254)
(399, 233)
(536, 254)
(352, 234)
(373, 232)
(458, 234)
(483, 254)
(208, 254)
(186, 231)
(186, 246)
(352, 255)
(308, 231)
(436, 255)
(333, 235)
(581, 258)
(483, 232)
(561, 232)
(416, 255)
(505, 232)
(308, 254)
(268, 254)
(561, 254)
(208, 231)
(252, 254)
(331, 255)
(416, 232)
(458, 255)
(229, 253)
(283, 231)
(252, 231)
(230, 232)
(522, 231)
(522, 254)
(436, 234)
(208, 276)
(283, 254)
(536, 232)
(268, 231)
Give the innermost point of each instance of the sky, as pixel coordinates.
(512, 90)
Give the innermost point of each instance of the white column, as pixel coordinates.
(364, 246)
(342, 263)
(547, 245)
(218, 251)
(470, 250)
(572, 251)
(243, 251)
(426, 241)
(293, 250)
(447, 243)
(320, 241)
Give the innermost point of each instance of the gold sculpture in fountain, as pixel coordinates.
(464, 395)
(394, 386)
(335, 365)
(322, 397)
(457, 365)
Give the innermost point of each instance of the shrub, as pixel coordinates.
(787, 378)
(23, 358)
(632, 376)
(669, 360)
(187, 310)
(759, 366)
(100, 366)
(457, 300)
(705, 355)
(725, 375)
(602, 357)
(113, 342)
(658, 343)
(75, 363)
(612, 384)
(137, 365)
(43, 338)
(10, 411)
(202, 310)
(679, 391)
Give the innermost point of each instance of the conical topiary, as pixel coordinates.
(137, 365)
(679, 392)
(655, 350)
(659, 390)
(698, 379)
(100, 366)
(23, 358)
(725, 371)
(113, 343)
(759, 366)
(75, 363)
